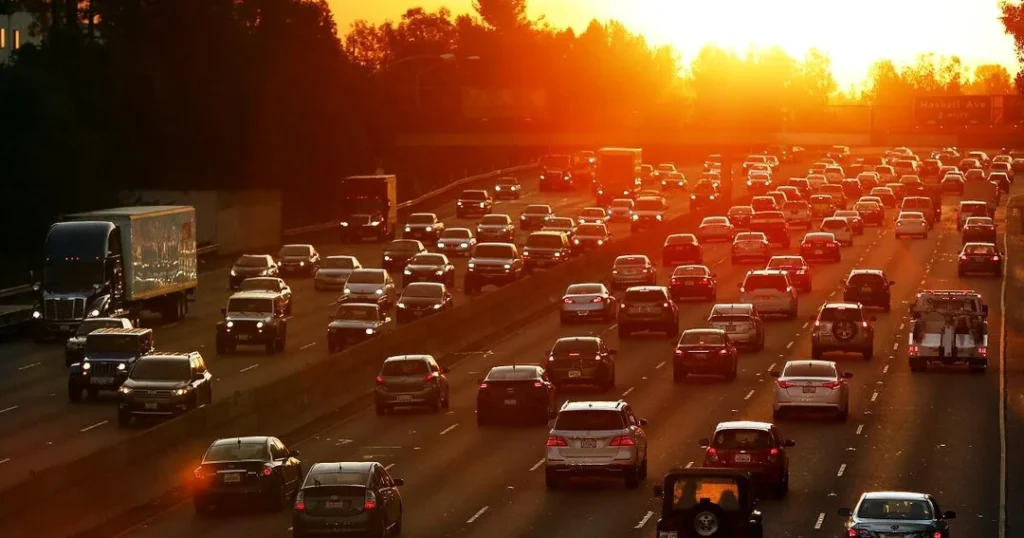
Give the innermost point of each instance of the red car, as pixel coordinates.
(681, 249)
(820, 246)
(796, 266)
(755, 447)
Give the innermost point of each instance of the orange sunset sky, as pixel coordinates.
(854, 34)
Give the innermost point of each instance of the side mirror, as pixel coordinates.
(398, 482)
(643, 422)
(845, 512)
(223, 311)
(873, 318)
(704, 442)
(775, 373)
(659, 491)
(293, 453)
(949, 514)
(789, 443)
(445, 370)
(847, 375)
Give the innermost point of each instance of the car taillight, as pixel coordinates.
(664, 305)
(371, 501)
(912, 350)
(597, 300)
(983, 351)
(723, 351)
(852, 533)
(380, 380)
(622, 440)
(538, 384)
(786, 384)
(198, 473)
(773, 455)
(267, 471)
(483, 385)
(865, 324)
(555, 440)
(567, 300)
(705, 281)
(430, 377)
(300, 503)
(995, 258)
(830, 385)
(817, 324)
(937, 534)
(712, 455)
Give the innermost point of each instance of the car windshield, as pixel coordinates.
(750, 237)
(911, 216)
(473, 195)
(688, 491)
(333, 478)
(457, 233)
(619, 202)
(338, 263)
(555, 161)
(765, 282)
(403, 245)
(366, 277)
(424, 290)
(404, 368)
(113, 343)
(428, 259)
(493, 251)
(537, 210)
(979, 249)
(356, 312)
(644, 296)
(763, 203)
(740, 210)
(584, 289)
(840, 314)
(420, 218)
(682, 239)
(544, 241)
(592, 229)
(742, 440)
(592, 212)
(701, 338)
(847, 214)
(809, 369)
(90, 325)
(631, 261)
(647, 204)
(817, 238)
(236, 452)
(979, 221)
(690, 271)
(246, 305)
(296, 250)
(974, 209)
(260, 284)
(866, 207)
(153, 369)
(512, 373)
(704, 186)
(904, 509)
(494, 220)
(252, 261)
(575, 345)
(589, 420)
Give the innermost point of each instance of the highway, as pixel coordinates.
(935, 432)
(33, 380)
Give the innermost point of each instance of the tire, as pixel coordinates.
(279, 345)
(783, 488)
(280, 500)
(844, 414)
(632, 478)
(446, 403)
(731, 374)
(672, 331)
(74, 393)
(332, 347)
(643, 469)
(381, 409)
(869, 353)
(437, 404)
(482, 420)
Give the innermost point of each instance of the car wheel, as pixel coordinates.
(783, 486)
(632, 478)
(280, 499)
(436, 405)
(381, 409)
(643, 469)
(731, 375)
(551, 480)
(844, 413)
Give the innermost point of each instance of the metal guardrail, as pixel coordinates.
(313, 228)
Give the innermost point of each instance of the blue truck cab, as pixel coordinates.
(109, 356)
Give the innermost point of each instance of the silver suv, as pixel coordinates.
(843, 327)
(742, 322)
(596, 439)
(771, 291)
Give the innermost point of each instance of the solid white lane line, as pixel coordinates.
(627, 392)
(749, 394)
(842, 469)
(819, 521)
(874, 396)
(94, 426)
(689, 464)
(449, 429)
(789, 345)
(307, 346)
(11, 408)
(643, 521)
(389, 466)
(660, 364)
(886, 369)
(537, 465)
(860, 428)
(612, 328)
(247, 368)
(477, 515)
(1002, 399)
(27, 366)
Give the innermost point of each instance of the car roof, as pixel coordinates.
(591, 339)
(255, 294)
(400, 358)
(554, 233)
(852, 306)
(743, 425)
(599, 405)
(646, 288)
(767, 272)
(369, 270)
(878, 272)
(901, 495)
(343, 467)
(174, 355)
(704, 330)
(251, 439)
(732, 309)
(122, 331)
(809, 363)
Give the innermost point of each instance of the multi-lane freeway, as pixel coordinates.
(936, 432)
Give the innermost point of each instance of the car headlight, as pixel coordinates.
(440, 244)
(234, 273)
(471, 265)
(379, 291)
(497, 187)
(86, 366)
(712, 197)
(375, 223)
(463, 245)
(343, 224)
(347, 290)
(508, 266)
(37, 314)
(576, 241)
(121, 366)
(408, 229)
(259, 324)
(504, 228)
(229, 324)
(522, 217)
(482, 204)
(408, 272)
(750, 183)
(437, 306)
(430, 228)
(439, 272)
(693, 196)
(124, 390)
(600, 192)
(659, 217)
(182, 391)
(400, 305)
(458, 202)
(370, 331)
(302, 264)
(600, 241)
(663, 182)
(636, 217)
(557, 254)
(514, 187)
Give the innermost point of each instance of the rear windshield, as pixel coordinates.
(584, 289)
(424, 290)
(575, 345)
(785, 263)
(911, 216)
(979, 221)
(742, 440)
(704, 186)
(805, 369)
(356, 312)
(296, 250)
(974, 209)
(404, 245)
(763, 201)
(427, 259)
(560, 222)
(795, 205)
(644, 296)
(865, 279)
(908, 509)
(473, 195)
(592, 212)
(252, 261)
(630, 260)
(494, 220)
(834, 225)
(236, 452)
(740, 210)
(811, 238)
(505, 373)
(592, 229)
(91, 325)
(338, 263)
(690, 271)
(544, 241)
(420, 218)
(493, 251)
(337, 479)
(406, 367)
(589, 419)
(701, 339)
(765, 282)
(537, 210)
(457, 233)
(865, 206)
(750, 237)
(841, 314)
(161, 370)
(917, 203)
(716, 221)
(969, 249)
(259, 284)
(648, 205)
(719, 318)
(681, 239)
(366, 277)
(688, 491)
(618, 202)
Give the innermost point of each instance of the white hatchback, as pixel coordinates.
(771, 292)
(912, 223)
(840, 228)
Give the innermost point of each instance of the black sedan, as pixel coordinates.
(870, 212)
(980, 258)
(398, 253)
(429, 268)
(521, 391)
(294, 259)
(979, 230)
(680, 249)
(820, 246)
(244, 469)
(590, 236)
(422, 299)
(704, 352)
(910, 514)
(693, 282)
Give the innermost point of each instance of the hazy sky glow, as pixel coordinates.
(854, 34)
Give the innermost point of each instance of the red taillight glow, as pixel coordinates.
(538, 384)
(786, 384)
(371, 501)
(597, 300)
(831, 385)
(774, 452)
(712, 455)
(430, 377)
(865, 324)
(852, 533)
(912, 350)
(267, 471)
(983, 351)
(995, 258)
(198, 473)
(300, 505)
(937, 534)
(555, 440)
(380, 380)
(567, 300)
(705, 281)
(622, 440)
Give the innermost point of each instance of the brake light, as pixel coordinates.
(430, 377)
(538, 384)
(705, 281)
(267, 471)
(380, 380)
(963, 256)
(786, 384)
(371, 501)
(852, 533)
(831, 385)
(712, 455)
(483, 385)
(567, 300)
(664, 305)
(865, 324)
(597, 300)
(300, 504)
(773, 452)
(937, 534)
(555, 440)
(912, 350)
(198, 473)
(983, 351)
(995, 258)
(622, 440)
(680, 352)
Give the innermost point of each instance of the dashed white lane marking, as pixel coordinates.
(94, 426)
(874, 396)
(860, 428)
(169, 325)
(537, 465)
(389, 466)
(27, 366)
(5, 460)
(11, 408)
(789, 345)
(819, 521)
(895, 346)
(247, 368)
(660, 364)
(627, 392)
(612, 328)
(448, 430)
(772, 367)
(749, 394)
(307, 346)
(689, 464)
(477, 515)
(643, 521)
(842, 469)
(902, 325)
(886, 369)
(806, 323)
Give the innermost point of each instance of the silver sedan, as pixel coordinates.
(583, 302)
(456, 241)
(812, 385)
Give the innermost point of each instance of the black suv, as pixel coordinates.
(545, 249)
(109, 356)
(423, 226)
(298, 259)
(708, 501)
(582, 360)
(492, 263)
(398, 253)
(869, 287)
(246, 469)
(704, 352)
(473, 202)
(648, 308)
(253, 318)
(648, 211)
(351, 497)
(508, 187)
(534, 217)
(164, 384)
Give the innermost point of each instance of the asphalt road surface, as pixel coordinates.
(935, 432)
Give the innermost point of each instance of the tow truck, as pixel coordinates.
(948, 327)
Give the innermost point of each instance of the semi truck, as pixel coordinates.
(369, 208)
(618, 174)
(117, 263)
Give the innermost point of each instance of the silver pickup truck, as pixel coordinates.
(948, 327)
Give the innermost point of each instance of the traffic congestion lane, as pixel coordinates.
(449, 458)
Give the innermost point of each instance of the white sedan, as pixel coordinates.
(912, 223)
(812, 385)
(716, 229)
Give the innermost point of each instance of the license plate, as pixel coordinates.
(583, 313)
(232, 478)
(243, 337)
(574, 373)
(764, 297)
(688, 283)
(102, 381)
(730, 328)
(742, 458)
(511, 402)
(65, 327)
(866, 289)
(404, 398)
(150, 406)
(335, 505)
(819, 252)
(809, 390)
(588, 443)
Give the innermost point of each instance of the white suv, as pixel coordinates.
(596, 439)
(771, 292)
(840, 228)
